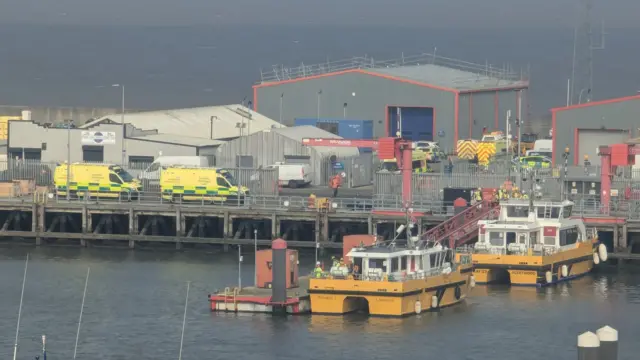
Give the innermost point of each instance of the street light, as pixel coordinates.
(68, 123)
(122, 121)
(255, 265)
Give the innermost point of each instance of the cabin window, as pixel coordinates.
(403, 263)
(395, 265)
(377, 264)
(533, 238)
(496, 238)
(566, 212)
(433, 258)
(517, 211)
(511, 238)
(522, 238)
(568, 236)
(555, 212)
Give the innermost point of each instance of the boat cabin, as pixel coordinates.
(547, 230)
(386, 262)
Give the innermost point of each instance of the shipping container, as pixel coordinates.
(345, 128)
(416, 123)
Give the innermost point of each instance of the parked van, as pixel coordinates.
(292, 175)
(152, 173)
(96, 180)
(202, 184)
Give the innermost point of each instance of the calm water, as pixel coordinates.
(135, 304)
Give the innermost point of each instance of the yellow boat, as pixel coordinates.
(534, 243)
(392, 280)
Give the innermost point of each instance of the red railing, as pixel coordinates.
(462, 227)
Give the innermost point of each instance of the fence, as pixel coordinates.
(358, 169)
(259, 181)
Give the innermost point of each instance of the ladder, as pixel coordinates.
(463, 227)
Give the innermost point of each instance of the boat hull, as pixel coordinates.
(526, 270)
(386, 298)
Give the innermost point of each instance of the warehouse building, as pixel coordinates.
(210, 122)
(285, 145)
(439, 99)
(101, 143)
(584, 127)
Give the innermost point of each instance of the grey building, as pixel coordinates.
(285, 145)
(584, 127)
(439, 99)
(100, 143)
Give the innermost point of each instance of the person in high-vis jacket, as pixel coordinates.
(317, 272)
(479, 195)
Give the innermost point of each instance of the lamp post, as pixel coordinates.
(255, 265)
(281, 101)
(239, 267)
(122, 122)
(68, 122)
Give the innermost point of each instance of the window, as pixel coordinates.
(517, 211)
(496, 238)
(114, 179)
(533, 238)
(403, 263)
(140, 162)
(394, 265)
(522, 238)
(154, 167)
(123, 174)
(222, 182)
(227, 175)
(555, 212)
(566, 212)
(511, 238)
(568, 236)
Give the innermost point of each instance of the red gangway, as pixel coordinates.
(463, 227)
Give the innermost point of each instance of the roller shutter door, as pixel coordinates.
(590, 140)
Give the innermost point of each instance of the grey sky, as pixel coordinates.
(427, 13)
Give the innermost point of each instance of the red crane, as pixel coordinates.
(388, 148)
(611, 157)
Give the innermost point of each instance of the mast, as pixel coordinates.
(184, 319)
(24, 280)
(84, 295)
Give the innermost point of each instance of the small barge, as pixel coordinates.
(534, 243)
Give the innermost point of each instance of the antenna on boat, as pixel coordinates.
(44, 347)
(184, 319)
(84, 295)
(24, 280)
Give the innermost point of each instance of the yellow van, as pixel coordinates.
(419, 164)
(201, 184)
(96, 180)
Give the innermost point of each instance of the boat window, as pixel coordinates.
(517, 211)
(568, 236)
(555, 212)
(511, 237)
(566, 212)
(433, 259)
(403, 263)
(522, 238)
(549, 240)
(377, 264)
(395, 265)
(496, 238)
(533, 238)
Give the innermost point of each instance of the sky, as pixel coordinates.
(410, 13)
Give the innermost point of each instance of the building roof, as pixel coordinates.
(196, 122)
(298, 133)
(178, 139)
(448, 77)
(596, 103)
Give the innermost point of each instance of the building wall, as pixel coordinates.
(464, 117)
(27, 135)
(612, 114)
(45, 114)
(372, 95)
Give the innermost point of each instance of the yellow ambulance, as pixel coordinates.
(96, 180)
(200, 184)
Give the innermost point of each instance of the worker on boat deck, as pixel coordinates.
(586, 161)
(479, 195)
(335, 183)
(317, 272)
(334, 262)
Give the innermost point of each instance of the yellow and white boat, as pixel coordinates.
(534, 243)
(391, 280)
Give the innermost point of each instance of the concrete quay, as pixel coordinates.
(129, 224)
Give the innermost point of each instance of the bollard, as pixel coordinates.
(608, 337)
(279, 271)
(588, 346)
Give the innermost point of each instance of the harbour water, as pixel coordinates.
(135, 303)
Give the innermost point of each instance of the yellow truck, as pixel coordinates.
(212, 185)
(96, 180)
(419, 161)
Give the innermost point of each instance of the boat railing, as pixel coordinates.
(398, 276)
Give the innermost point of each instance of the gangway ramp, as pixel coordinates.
(463, 227)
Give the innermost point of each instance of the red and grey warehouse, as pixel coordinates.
(445, 102)
(584, 127)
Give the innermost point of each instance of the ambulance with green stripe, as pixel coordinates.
(96, 180)
(200, 184)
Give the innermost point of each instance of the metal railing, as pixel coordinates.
(280, 72)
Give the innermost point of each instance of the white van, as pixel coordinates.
(152, 173)
(292, 175)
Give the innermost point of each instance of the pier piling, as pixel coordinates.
(588, 346)
(608, 338)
